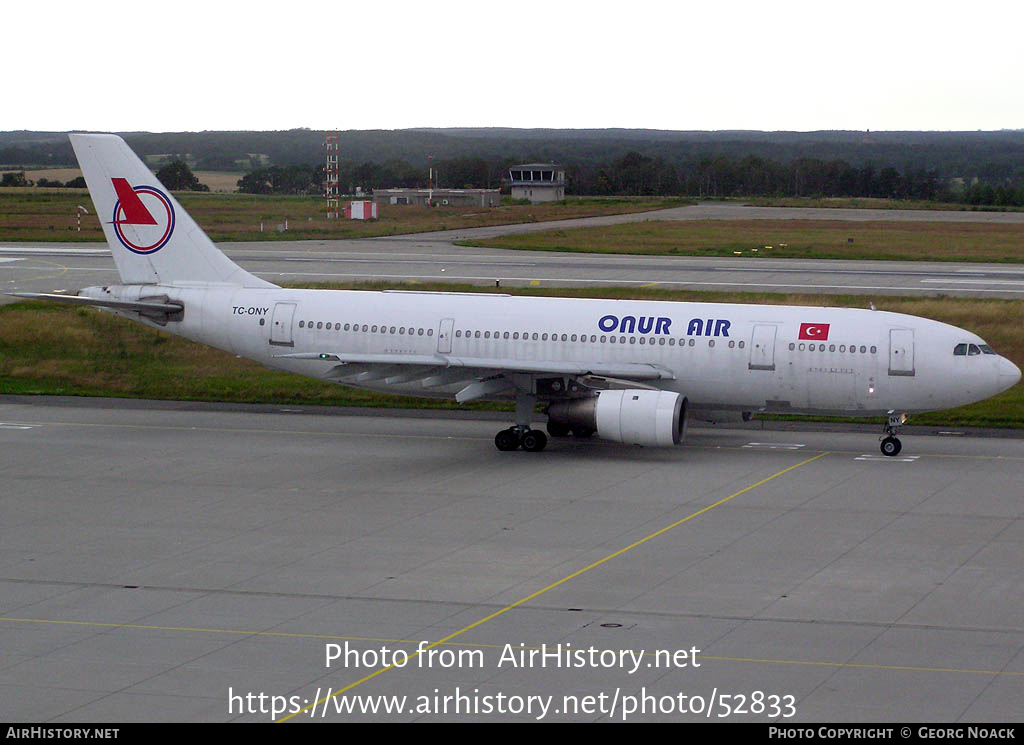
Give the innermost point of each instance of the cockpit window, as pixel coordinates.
(960, 350)
(972, 350)
(987, 349)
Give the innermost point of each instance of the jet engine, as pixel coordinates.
(637, 417)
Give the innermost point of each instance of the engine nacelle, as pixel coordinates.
(636, 417)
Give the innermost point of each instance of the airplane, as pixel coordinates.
(630, 371)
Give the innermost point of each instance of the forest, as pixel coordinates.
(980, 168)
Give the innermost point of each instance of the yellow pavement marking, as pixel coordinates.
(61, 273)
(560, 582)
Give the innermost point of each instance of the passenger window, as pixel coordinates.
(319, 324)
(302, 324)
(960, 350)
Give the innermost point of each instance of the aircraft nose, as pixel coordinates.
(1009, 374)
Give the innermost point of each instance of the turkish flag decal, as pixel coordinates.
(814, 331)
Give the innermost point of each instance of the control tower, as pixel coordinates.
(538, 182)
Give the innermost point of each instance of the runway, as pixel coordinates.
(155, 557)
(434, 257)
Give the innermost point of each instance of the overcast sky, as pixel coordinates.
(771, 65)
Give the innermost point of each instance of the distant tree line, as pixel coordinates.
(12, 178)
(635, 174)
(982, 168)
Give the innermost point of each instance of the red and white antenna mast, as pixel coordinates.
(331, 192)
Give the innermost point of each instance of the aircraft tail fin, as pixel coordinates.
(153, 239)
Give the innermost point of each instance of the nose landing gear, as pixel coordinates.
(891, 446)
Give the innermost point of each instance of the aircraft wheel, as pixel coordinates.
(534, 441)
(891, 446)
(507, 439)
(558, 429)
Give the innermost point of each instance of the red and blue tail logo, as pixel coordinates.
(143, 217)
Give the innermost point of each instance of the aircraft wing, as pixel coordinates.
(487, 373)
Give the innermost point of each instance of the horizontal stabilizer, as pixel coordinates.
(153, 306)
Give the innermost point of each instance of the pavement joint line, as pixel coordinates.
(558, 583)
(486, 645)
(398, 415)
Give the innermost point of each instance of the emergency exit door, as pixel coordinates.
(444, 336)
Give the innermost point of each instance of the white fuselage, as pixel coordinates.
(720, 356)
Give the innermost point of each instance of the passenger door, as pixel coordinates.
(901, 352)
(762, 347)
(281, 325)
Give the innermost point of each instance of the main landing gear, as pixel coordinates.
(891, 446)
(521, 435)
(513, 438)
